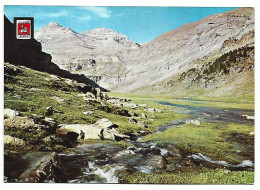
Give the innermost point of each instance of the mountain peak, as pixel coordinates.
(107, 34)
(54, 24)
(102, 31)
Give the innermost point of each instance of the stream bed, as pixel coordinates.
(106, 163)
(111, 163)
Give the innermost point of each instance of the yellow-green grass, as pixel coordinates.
(207, 139)
(224, 102)
(193, 175)
(216, 104)
(21, 97)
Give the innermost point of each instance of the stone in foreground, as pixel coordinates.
(47, 168)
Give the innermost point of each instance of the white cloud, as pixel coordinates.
(58, 14)
(102, 12)
(83, 17)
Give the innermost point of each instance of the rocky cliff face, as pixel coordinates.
(188, 47)
(132, 68)
(73, 51)
(29, 53)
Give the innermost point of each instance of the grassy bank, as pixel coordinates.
(30, 92)
(194, 176)
(212, 140)
(240, 102)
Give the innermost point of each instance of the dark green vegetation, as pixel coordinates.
(226, 76)
(222, 65)
(229, 60)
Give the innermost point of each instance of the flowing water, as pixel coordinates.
(212, 114)
(109, 163)
(106, 163)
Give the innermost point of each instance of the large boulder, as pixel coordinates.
(47, 168)
(132, 121)
(193, 122)
(124, 153)
(132, 113)
(53, 139)
(159, 161)
(143, 116)
(9, 113)
(115, 102)
(9, 140)
(28, 124)
(248, 117)
(102, 129)
(130, 105)
(142, 124)
(118, 137)
(90, 95)
(151, 110)
(21, 123)
(154, 110)
(106, 124)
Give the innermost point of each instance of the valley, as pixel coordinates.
(160, 65)
(99, 108)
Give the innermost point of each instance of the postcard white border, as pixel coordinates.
(185, 3)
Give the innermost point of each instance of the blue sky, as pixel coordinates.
(140, 24)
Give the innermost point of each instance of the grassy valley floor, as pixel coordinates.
(30, 92)
(230, 142)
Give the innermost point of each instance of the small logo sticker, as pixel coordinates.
(24, 28)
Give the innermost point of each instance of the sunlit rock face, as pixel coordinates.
(121, 65)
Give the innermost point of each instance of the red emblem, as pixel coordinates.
(23, 29)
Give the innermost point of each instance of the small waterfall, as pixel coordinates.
(199, 156)
(108, 172)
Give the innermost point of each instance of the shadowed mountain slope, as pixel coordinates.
(29, 53)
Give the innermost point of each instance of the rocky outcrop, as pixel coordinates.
(47, 168)
(154, 110)
(9, 113)
(102, 129)
(249, 117)
(27, 124)
(142, 124)
(143, 116)
(106, 124)
(124, 153)
(9, 140)
(133, 113)
(193, 122)
(88, 50)
(29, 53)
(122, 102)
(132, 121)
